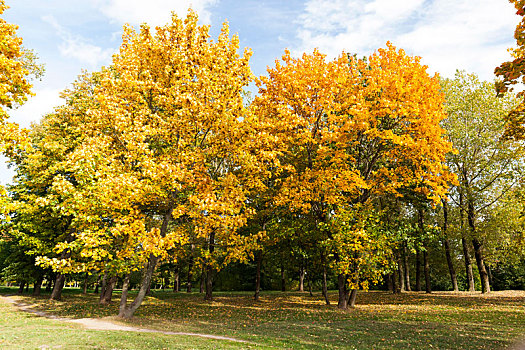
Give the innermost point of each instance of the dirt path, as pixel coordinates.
(102, 325)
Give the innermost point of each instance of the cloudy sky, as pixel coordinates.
(71, 35)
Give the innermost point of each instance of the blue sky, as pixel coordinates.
(71, 35)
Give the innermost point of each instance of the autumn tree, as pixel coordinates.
(487, 166)
(17, 68)
(43, 214)
(167, 143)
(351, 129)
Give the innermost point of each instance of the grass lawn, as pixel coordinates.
(381, 320)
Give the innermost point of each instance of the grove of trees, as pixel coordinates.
(347, 173)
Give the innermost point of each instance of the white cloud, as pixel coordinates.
(43, 102)
(153, 12)
(448, 34)
(79, 48)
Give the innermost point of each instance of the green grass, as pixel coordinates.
(21, 330)
(294, 321)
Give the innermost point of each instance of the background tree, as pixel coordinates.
(487, 166)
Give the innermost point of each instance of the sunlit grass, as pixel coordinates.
(295, 320)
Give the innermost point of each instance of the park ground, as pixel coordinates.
(290, 320)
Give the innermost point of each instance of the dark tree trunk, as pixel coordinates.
(49, 282)
(85, 285)
(103, 286)
(325, 288)
(127, 311)
(389, 282)
(124, 296)
(400, 273)
(483, 274)
(97, 285)
(352, 297)
(395, 283)
(464, 242)
(343, 291)
(302, 272)
(478, 252)
(258, 275)
(56, 294)
(309, 279)
(21, 288)
(107, 293)
(283, 280)
(203, 281)
(190, 269)
(406, 267)
(209, 268)
(446, 244)
(418, 270)
(426, 265)
(176, 280)
(468, 265)
(428, 287)
(38, 285)
(60, 279)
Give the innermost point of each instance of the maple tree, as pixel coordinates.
(166, 153)
(351, 129)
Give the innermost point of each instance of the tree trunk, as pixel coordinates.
(401, 273)
(446, 244)
(56, 294)
(209, 268)
(283, 280)
(107, 292)
(352, 297)
(176, 280)
(85, 285)
(190, 269)
(103, 286)
(203, 281)
(124, 296)
(309, 279)
(325, 288)
(258, 275)
(418, 271)
(389, 282)
(489, 272)
(21, 288)
(49, 282)
(426, 265)
(466, 254)
(395, 283)
(478, 252)
(127, 311)
(343, 291)
(38, 286)
(302, 272)
(406, 267)
(97, 285)
(428, 287)
(483, 274)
